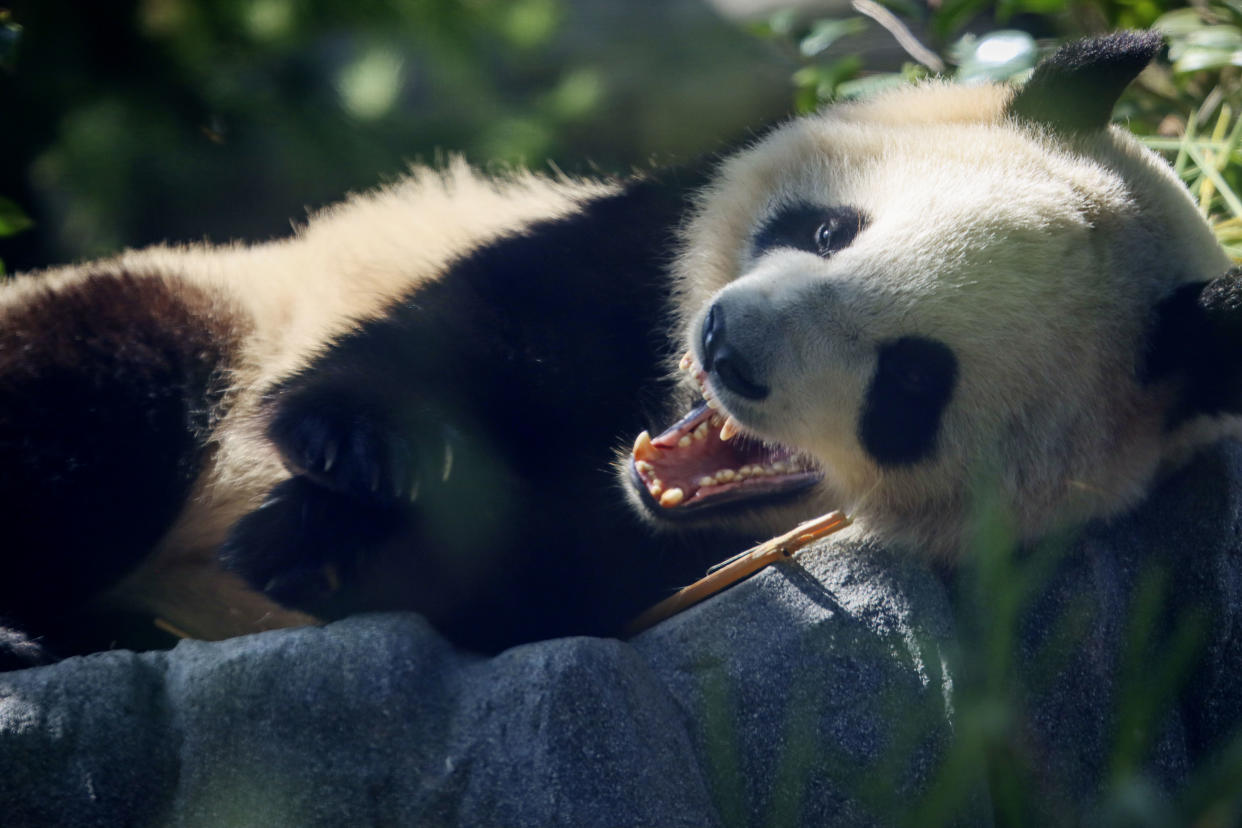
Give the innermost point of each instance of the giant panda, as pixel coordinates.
(442, 396)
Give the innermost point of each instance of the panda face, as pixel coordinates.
(895, 303)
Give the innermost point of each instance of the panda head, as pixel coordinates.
(901, 304)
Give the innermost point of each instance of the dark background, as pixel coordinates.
(133, 122)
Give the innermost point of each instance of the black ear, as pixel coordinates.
(1197, 340)
(1075, 88)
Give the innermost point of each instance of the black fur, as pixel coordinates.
(106, 390)
(819, 230)
(472, 433)
(1076, 88)
(912, 386)
(454, 457)
(1195, 341)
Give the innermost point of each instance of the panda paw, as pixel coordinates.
(304, 543)
(359, 450)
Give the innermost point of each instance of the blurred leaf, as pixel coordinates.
(531, 23)
(269, 19)
(1206, 48)
(1179, 23)
(1214, 37)
(10, 37)
(1006, 9)
(953, 15)
(369, 86)
(870, 85)
(517, 140)
(997, 56)
(817, 84)
(12, 219)
(578, 94)
(827, 32)
(1203, 59)
(779, 24)
(909, 9)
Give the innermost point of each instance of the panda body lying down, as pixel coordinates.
(426, 399)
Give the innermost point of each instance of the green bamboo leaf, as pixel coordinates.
(12, 219)
(827, 32)
(1199, 59)
(1179, 23)
(1226, 192)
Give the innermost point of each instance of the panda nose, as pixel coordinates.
(724, 362)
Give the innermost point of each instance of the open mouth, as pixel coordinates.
(706, 460)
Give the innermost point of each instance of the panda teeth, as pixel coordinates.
(748, 471)
(672, 497)
(730, 429)
(643, 449)
(689, 365)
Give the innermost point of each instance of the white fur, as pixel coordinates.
(287, 298)
(1036, 260)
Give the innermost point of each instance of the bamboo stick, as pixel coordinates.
(729, 572)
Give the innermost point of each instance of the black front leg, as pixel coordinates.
(306, 542)
(377, 449)
(392, 506)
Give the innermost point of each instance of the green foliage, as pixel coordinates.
(144, 121)
(827, 75)
(1186, 107)
(12, 221)
(1204, 81)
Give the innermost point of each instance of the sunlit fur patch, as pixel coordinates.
(1034, 258)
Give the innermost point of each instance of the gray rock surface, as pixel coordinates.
(848, 688)
(1130, 656)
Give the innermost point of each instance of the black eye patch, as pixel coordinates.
(913, 382)
(819, 230)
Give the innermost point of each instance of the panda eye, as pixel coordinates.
(832, 236)
(819, 230)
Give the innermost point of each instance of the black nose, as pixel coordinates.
(723, 360)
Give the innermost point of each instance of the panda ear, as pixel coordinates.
(1075, 88)
(1197, 342)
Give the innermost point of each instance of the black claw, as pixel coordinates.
(270, 501)
(329, 455)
